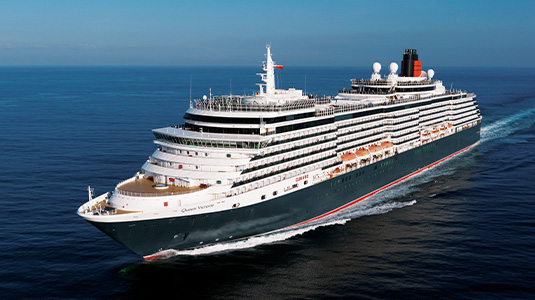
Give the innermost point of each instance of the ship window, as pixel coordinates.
(218, 182)
(228, 155)
(306, 181)
(196, 153)
(275, 193)
(263, 197)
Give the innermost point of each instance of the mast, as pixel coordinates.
(269, 76)
(270, 73)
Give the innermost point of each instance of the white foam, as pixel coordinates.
(340, 218)
(507, 125)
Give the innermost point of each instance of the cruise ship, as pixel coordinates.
(242, 166)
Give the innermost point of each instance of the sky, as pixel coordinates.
(235, 33)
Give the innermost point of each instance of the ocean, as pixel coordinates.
(464, 229)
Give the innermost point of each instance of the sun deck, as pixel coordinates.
(146, 187)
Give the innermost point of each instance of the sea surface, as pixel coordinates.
(464, 229)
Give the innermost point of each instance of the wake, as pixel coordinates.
(508, 125)
(341, 218)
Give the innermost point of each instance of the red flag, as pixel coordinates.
(278, 67)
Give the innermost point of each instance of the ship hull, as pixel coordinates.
(148, 237)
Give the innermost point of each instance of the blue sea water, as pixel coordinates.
(464, 229)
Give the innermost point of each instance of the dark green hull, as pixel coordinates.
(312, 203)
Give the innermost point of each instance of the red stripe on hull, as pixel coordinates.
(380, 189)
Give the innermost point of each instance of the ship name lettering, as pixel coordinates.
(185, 210)
(205, 206)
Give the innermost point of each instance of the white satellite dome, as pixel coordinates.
(376, 67)
(430, 73)
(393, 67)
(204, 97)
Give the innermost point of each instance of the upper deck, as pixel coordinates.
(226, 103)
(383, 82)
(249, 119)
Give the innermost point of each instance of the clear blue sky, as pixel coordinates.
(302, 33)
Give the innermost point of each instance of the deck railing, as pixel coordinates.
(138, 194)
(234, 104)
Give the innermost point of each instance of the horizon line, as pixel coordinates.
(242, 66)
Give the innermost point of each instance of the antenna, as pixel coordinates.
(305, 84)
(230, 89)
(190, 89)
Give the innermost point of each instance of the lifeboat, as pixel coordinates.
(375, 148)
(337, 170)
(348, 157)
(435, 130)
(363, 152)
(386, 145)
(442, 128)
(450, 125)
(426, 133)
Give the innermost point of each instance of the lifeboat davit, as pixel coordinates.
(363, 152)
(348, 156)
(386, 145)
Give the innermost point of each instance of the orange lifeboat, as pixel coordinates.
(450, 125)
(363, 152)
(425, 133)
(375, 148)
(386, 145)
(435, 130)
(348, 157)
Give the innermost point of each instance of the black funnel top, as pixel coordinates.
(407, 65)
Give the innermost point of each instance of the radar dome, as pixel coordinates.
(204, 97)
(376, 67)
(393, 68)
(430, 73)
